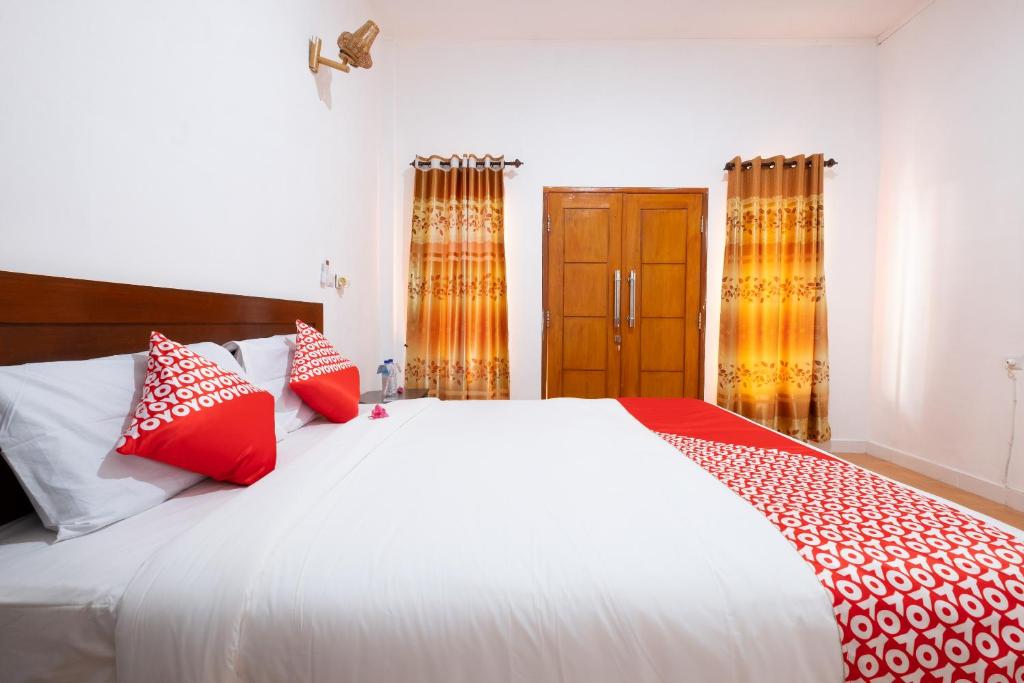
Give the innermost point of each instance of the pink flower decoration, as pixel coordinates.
(378, 412)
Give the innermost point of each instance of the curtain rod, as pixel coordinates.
(768, 162)
(479, 163)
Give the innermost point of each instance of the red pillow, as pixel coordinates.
(197, 416)
(328, 383)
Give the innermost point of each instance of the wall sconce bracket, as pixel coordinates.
(315, 60)
(353, 49)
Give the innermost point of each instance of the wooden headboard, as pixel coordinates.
(54, 318)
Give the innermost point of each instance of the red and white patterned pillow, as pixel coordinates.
(197, 416)
(327, 382)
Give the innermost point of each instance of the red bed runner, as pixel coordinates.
(921, 591)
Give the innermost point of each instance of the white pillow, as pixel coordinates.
(59, 424)
(268, 364)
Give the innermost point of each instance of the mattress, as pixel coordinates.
(59, 601)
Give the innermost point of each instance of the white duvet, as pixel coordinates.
(506, 541)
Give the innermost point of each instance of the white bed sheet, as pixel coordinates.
(513, 541)
(516, 541)
(59, 601)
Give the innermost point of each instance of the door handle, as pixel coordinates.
(632, 298)
(617, 318)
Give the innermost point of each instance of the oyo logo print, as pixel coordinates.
(921, 591)
(180, 382)
(314, 355)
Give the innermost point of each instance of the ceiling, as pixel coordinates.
(642, 19)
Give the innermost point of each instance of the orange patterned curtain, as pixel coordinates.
(773, 344)
(457, 332)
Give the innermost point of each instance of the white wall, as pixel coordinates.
(950, 277)
(186, 144)
(656, 113)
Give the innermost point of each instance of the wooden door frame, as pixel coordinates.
(703, 191)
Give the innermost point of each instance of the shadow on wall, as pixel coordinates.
(322, 82)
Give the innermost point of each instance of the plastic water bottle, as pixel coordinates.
(388, 378)
(382, 370)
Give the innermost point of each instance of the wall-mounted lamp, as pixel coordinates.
(353, 49)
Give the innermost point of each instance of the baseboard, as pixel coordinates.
(1015, 499)
(847, 446)
(985, 488)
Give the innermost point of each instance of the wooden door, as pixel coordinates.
(584, 250)
(643, 249)
(664, 267)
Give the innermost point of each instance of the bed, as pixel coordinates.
(560, 540)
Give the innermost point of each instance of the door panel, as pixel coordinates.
(663, 245)
(662, 343)
(585, 344)
(659, 278)
(584, 248)
(656, 235)
(587, 234)
(661, 384)
(585, 289)
(584, 383)
(662, 231)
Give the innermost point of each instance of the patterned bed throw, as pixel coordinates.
(921, 590)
